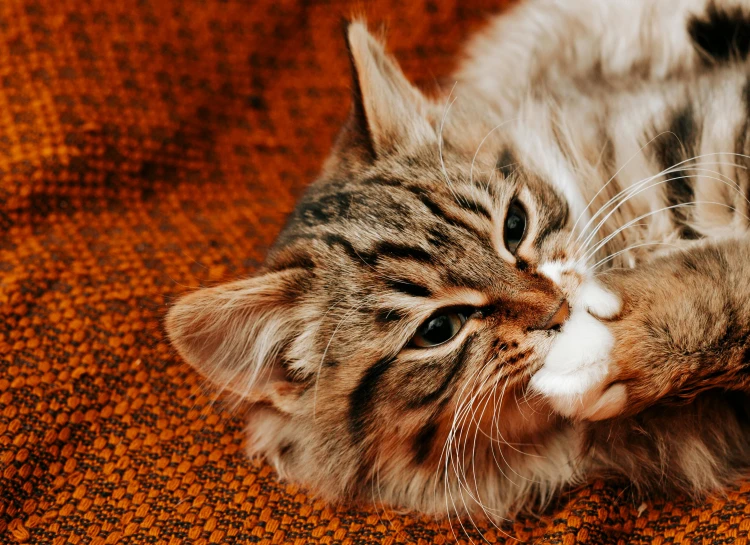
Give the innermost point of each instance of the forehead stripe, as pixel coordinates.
(381, 249)
(402, 251)
(470, 205)
(363, 257)
(448, 218)
(409, 288)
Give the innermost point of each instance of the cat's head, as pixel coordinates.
(402, 309)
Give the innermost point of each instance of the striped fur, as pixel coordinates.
(559, 107)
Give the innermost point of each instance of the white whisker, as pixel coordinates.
(632, 247)
(471, 169)
(583, 212)
(588, 253)
(631, 222)
(628, 192)
(448, 105)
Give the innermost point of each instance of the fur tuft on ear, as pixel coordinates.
(235, 334)
(388, 112)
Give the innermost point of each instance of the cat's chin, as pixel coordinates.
(574, 377)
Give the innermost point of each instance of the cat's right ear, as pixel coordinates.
(236, 334)
(388, 113)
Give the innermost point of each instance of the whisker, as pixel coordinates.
(641, 190)
(351, 311)
(632, 247)
(446, 455)
(473, 495)
(629, 224)
(583, 212)
(471, 169)
(448, 105)
(673, 168)
(628, 192)
(496, 423)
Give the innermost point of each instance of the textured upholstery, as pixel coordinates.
(151, 146)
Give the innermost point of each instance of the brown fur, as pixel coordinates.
(406, 219)
(685, 325)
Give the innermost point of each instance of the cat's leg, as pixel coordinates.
(694, 449)
(556, 46)
(684, 329)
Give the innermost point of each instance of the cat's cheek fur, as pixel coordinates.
(574, 377)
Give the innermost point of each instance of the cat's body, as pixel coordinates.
(478, 219)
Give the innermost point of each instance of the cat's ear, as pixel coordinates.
(235, 334)
(388, 112)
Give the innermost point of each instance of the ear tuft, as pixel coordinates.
(235, 333)
(388, 113)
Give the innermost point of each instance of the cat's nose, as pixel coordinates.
(559, 317)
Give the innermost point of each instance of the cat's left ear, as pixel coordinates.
(237, 334)
(388, 112)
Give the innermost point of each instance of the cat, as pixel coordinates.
(534, 278)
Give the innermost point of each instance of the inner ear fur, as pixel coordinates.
(235, 334)
(388, 113)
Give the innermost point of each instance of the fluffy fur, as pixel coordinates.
(619, 128)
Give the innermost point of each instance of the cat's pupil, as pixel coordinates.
(515, 227)
(513, 224)
(438, 330)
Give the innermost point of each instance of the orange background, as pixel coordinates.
(151, 146)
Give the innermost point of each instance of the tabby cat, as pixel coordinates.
(536, 277)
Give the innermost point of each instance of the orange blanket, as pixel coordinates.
(148, 147)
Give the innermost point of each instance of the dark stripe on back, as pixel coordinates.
(721, 34)
(672, 149)
(362, 398)
(458, 363)
(409, 288)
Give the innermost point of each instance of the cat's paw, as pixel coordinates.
(581, 289)
(575, 377)
(598, 301)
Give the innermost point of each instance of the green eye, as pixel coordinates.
(438, 329)
(515, 227)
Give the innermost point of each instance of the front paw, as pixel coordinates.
(574, 378)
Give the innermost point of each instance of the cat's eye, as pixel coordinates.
(439, 329)
(515, 227)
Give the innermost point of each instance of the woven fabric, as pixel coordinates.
(151, 146)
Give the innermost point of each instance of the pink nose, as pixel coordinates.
(559, 317)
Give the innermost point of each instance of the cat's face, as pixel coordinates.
(389, 343)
